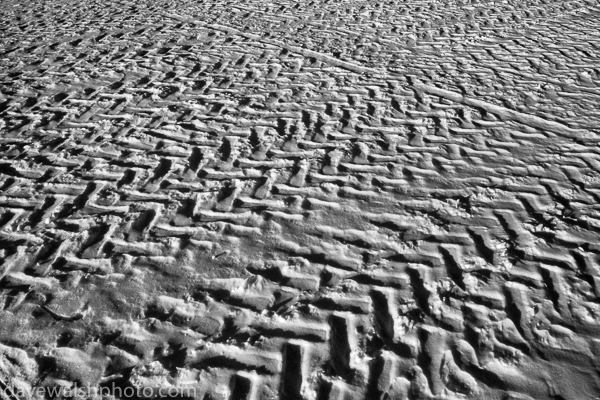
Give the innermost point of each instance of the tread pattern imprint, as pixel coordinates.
(329, 200)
